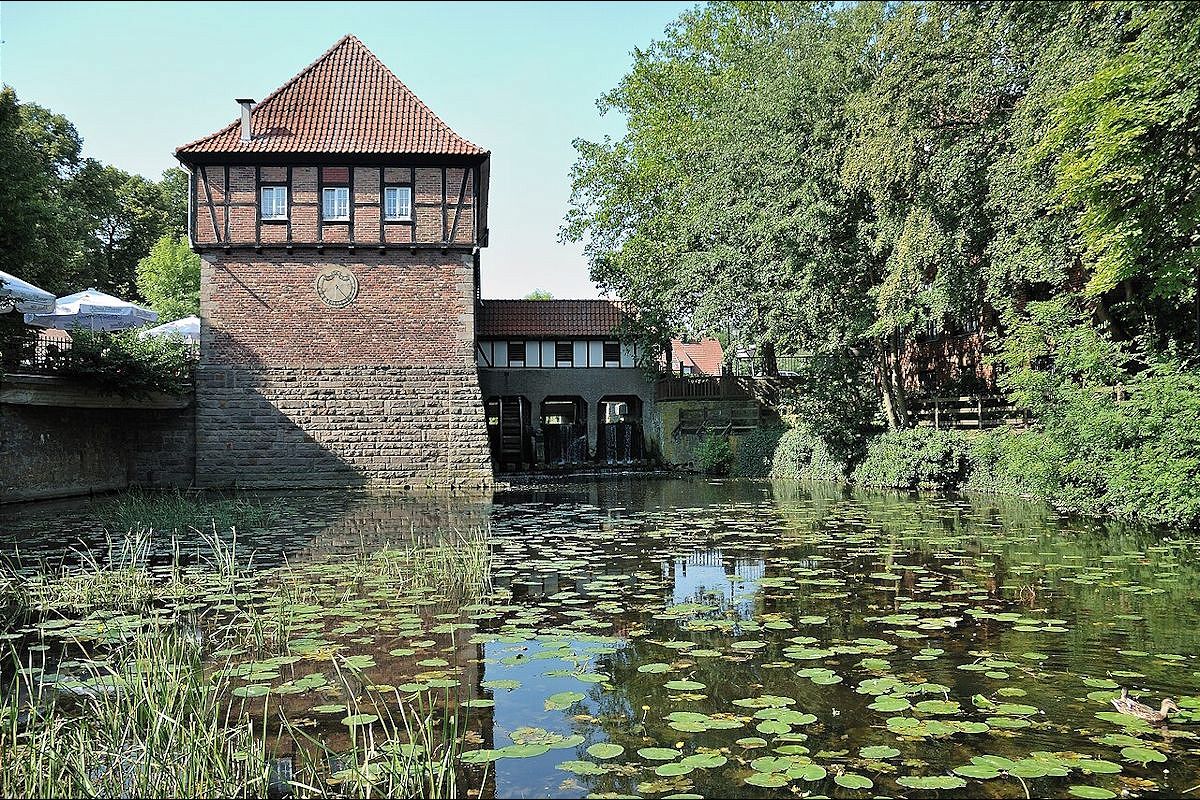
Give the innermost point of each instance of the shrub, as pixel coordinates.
(787, 452)
(121, 362)
(714, 456)
(756, 450)
(803, 455)
(916, 458)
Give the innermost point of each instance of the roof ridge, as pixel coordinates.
(353, 47)
(304, 71)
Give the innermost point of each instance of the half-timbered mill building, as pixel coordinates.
(339, 222)
(560, 387)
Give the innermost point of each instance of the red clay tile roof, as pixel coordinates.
(548, 318)
(705, 356)
(346, 101)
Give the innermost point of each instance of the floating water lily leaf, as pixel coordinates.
(359, 719)
(931, 782)
(1090, 792)
(850, 780)
(656, 666)
(582, 767)
(683, 686)
(1142, 755)
(562, 700)
(878, 752)
(659, 753)
(605, 750)
(674, 769)
(770, 780)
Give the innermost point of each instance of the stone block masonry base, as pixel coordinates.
(355, 425)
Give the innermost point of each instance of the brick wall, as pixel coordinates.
(291, 392)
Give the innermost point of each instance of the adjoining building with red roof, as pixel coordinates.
(560, 385)
(704, 357)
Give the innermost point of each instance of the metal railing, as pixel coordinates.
(42, 354)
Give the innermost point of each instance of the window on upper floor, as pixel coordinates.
(397, 203)
(274, 202)
(516, 354)
(564, 354)
(335, 203)
(612, 354)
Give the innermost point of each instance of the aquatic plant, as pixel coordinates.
(174, 510)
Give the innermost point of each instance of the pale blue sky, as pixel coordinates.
(139, 79)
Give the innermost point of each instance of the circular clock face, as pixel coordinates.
(336, 286)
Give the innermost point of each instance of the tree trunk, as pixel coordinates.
(891, 382)
(766, 355)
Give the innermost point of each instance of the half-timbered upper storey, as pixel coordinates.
(342, 155)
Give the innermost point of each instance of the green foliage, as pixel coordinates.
(169, 278)
(833, 178)
(756, 450)
(179, 511)
(714, 455)
(1107, 441)
(538, 294)
(121, 362)
(68, 222)
(916, 458)
(805, 455)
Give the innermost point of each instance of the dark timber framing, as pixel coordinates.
(221, 230)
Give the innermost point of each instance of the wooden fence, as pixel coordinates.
(966, 411)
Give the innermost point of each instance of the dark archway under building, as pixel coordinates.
(510, 431)
(620, 438)
(564, 428)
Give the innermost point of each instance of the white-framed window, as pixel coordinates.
(397, 202)
(274, 202)
(335, 203)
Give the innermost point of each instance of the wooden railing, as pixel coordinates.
(966, 411)
(700, 387)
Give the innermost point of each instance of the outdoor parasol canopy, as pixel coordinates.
(188, 328)
(94, 311)
(19, 295)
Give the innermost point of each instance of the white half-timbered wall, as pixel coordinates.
(539, 354)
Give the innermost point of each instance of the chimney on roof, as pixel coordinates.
(247, 104)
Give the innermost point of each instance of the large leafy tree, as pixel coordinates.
(838, 178)
(68, 222)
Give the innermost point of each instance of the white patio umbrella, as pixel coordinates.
(19, 295)
(188, 328)
(93, 310)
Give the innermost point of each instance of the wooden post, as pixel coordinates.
(936, 415)
(979, 402)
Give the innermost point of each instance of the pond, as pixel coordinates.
(676, 637)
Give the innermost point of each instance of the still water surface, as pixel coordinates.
(734, 638)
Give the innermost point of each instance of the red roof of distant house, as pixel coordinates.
(548, 318)
(346, 101)
(704, 357)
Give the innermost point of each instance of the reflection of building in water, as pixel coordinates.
(707, 576)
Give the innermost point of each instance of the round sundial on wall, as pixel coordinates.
(336, 286)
